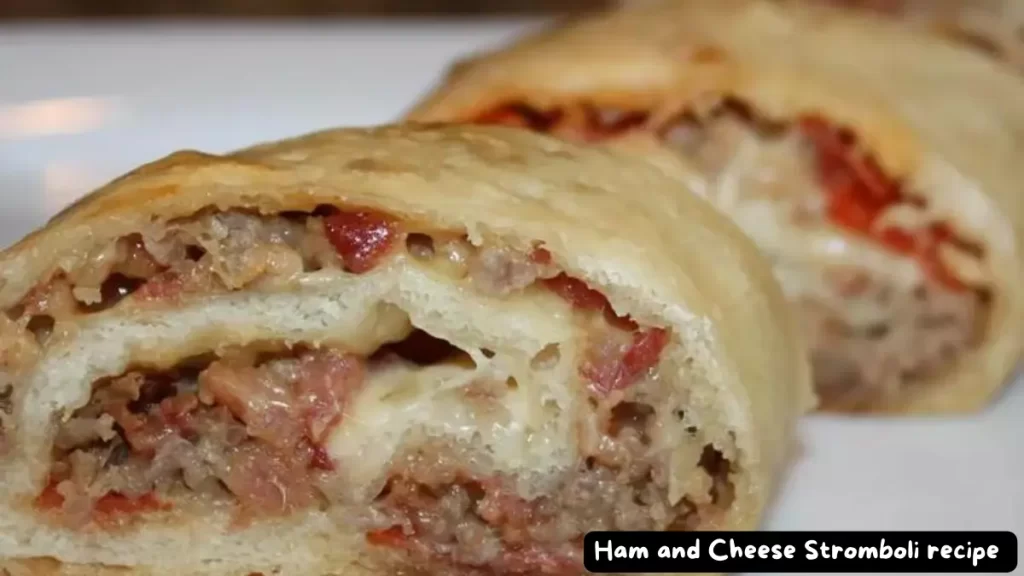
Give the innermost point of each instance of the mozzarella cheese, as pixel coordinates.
(763, 186)
(518, 429)
(821, 244)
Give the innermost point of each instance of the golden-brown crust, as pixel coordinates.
(946, 120)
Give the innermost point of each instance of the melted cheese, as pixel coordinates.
(519, 430)
(761, 183)
(767, 224)
(763, 186)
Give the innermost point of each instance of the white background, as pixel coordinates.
(78, 106)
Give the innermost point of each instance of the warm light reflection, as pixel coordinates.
(57, 116)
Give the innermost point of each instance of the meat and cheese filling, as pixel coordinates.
(421, 444)
(887, 290)
(208, 253)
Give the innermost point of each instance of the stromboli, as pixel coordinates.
(877, 166)
(440, 348)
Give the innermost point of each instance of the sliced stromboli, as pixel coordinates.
(877, 167)
(450, 349)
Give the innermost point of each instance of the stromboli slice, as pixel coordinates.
(877, 167)
(442, 349)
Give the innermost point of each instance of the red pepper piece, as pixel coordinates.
(859, 191)
(839, 160)
(114, 503)
(49, 498)
(576, 292)
(361, 238)
(621, 373)
(321, 460)
(541, 256)
(845, 209)
(899, 240)
(521, 116)
(393, 537)
(645, 352)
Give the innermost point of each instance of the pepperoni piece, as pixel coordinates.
(114, 504)
(541, 256)
(645, 352)
(576, 292)
(899, 240)
(110, 504)
(608, 370)
(584, 297)
(321, 460)
(49, 498)
(858, 193)
(520, 116)
(505, 116)
(840, 161)
(845, 209)
(393, 537)
(361, 238)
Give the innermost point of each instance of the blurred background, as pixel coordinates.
(105, 9)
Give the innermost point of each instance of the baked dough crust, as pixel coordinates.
(944, 119)
(665, 258)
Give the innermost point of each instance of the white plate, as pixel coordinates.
(79, 106)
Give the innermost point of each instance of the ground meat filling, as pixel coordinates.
(926, 328)
(248, 429)
(207, 253)
(215, 252)
(444, 513)
(250, 425)
(446, 517)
